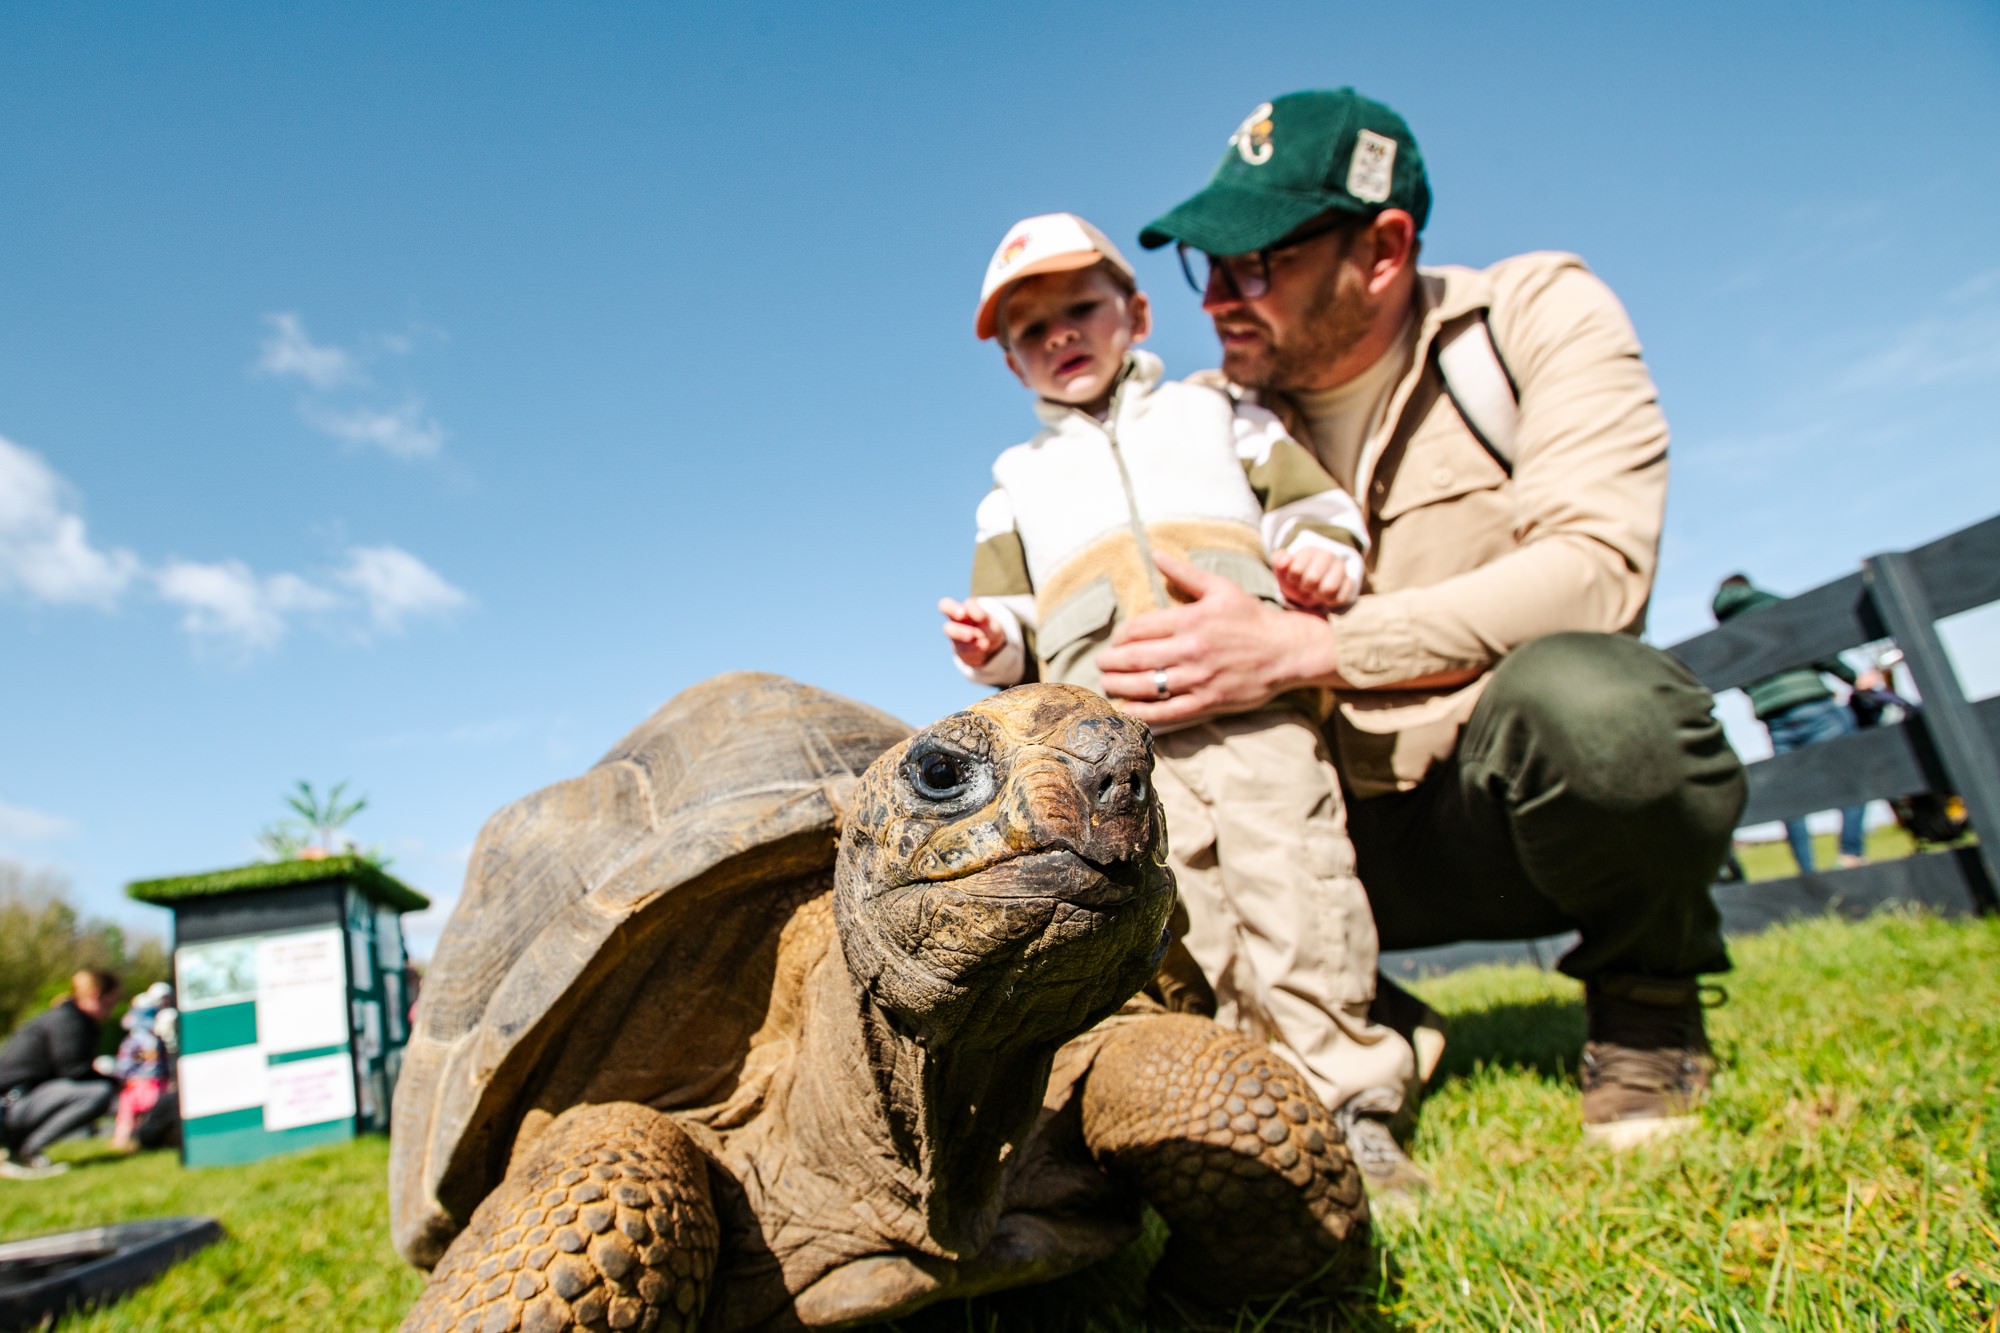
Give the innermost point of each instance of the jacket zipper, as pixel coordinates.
(1158, 583)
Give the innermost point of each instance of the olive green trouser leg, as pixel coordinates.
(1592, 790)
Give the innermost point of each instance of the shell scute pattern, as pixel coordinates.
(732, 783)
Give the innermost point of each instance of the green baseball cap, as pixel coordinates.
(1294, 158)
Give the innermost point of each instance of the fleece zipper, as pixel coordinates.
(1110, 423)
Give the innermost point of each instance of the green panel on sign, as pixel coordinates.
(252, 1143)
(287, 1057)
(250, 1117)
(218, 1028)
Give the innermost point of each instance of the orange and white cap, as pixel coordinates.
(1045, 243)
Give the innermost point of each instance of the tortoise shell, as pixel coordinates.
(689, 836)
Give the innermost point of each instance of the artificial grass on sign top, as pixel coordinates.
(1846, 1175)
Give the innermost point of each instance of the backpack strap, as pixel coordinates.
(1480, 386)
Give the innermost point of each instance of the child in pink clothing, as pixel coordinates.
(140, 1065)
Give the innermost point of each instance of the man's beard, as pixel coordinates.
(1340, 319)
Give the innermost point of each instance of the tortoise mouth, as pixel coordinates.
(1064, 876)
(1018, 949)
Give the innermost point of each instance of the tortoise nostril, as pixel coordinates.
(1122, 790)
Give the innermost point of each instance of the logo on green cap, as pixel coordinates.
(1371, 172)
(1252, 139)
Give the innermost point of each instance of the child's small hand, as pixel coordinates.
(1313, 578)
(974, 637)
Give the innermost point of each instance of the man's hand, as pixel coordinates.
(1312, 578)
(974, 637)
(1224, 652)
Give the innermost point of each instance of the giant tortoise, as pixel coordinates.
(721, 1036)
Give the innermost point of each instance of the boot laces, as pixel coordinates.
(1649, 1038)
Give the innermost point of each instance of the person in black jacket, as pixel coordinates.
(49, 1086)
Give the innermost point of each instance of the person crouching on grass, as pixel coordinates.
(51, 1085)
(1127, 464)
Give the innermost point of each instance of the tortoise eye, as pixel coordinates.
(939, 774)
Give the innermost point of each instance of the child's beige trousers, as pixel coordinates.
(1278, 922)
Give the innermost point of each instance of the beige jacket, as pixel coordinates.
(1466, 563)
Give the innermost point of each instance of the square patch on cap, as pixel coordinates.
(1372, 168)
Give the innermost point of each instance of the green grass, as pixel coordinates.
(307, 1243)
(1846, 1176)
(1773, 860)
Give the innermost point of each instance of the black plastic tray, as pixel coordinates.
(50, 1274)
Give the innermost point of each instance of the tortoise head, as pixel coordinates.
(1004, 870)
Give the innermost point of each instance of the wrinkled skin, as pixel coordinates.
(1006, 868)
(1000, 888)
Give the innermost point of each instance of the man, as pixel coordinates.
(49, 1086)
(1797, 710)
(1518, 763)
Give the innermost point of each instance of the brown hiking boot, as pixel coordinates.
(1393, 1181)
(1647, 1064)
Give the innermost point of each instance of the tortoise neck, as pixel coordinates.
(952, 1117)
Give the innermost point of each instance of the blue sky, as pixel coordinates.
(420, 395)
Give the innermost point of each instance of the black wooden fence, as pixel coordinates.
(1950, 745)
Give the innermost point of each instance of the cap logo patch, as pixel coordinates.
(1252, 140)
(1012, 250)
(1372, 168)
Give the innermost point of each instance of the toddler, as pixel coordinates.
(1127, 464)
(140, 1066)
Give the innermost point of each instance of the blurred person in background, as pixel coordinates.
(1798, 710)
(51, 1085)
(141, 1065)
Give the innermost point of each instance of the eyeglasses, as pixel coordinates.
(1248, 276)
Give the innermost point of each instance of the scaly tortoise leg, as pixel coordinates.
(1221, 1136)
(605, 1223)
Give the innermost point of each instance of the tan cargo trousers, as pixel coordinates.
(1277, 920)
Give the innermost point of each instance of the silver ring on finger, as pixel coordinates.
(1160, 682)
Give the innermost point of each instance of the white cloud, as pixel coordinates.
(1814, 237)
(1958, 344)
(396, 586)
(20, 824)
(44, 551)
(288, 352)
(403, 431)
(335, 405)
(230, 603)
(45, 554)
(1975, 286)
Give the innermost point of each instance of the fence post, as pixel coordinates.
(1970, 766)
